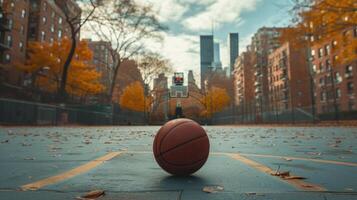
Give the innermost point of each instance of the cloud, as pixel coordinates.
(221, 11)
(168, 10)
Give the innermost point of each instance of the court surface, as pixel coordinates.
(66, 162)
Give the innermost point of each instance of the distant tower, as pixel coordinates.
(233, 46)
(217, 57)
(207, 55)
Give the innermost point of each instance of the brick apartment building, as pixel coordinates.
(14, 25)
(244, 87)
(24, 21)
(335, 84)
(264, 42)
(102, 60)
(47, 21)
(289, 79)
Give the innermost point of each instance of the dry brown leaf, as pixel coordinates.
(293, 177)
(94, 194)
(212, 189)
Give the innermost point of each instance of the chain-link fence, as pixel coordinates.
(252, 114)
(15, 112)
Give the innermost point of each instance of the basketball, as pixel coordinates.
(181, 147)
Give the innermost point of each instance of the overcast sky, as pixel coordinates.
(188, 19)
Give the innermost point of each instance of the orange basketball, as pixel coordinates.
(181, 147)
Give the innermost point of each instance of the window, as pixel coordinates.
(52, 28)
(45, 6)
(334, 43)
(338, 93)
(43, 36)
(321, 52)
(9, 41)
(338, 77)
(299, 94)
(327, 50)
(351, 106)
(314, 69)
(323, 96)
(328, 65)
(59, 33)
(313, 53)
(44, 20)
(60, 20)
(349, 71)
(23, 13)
(11, 24)
(7, 57)
(335, 58)
(321, 67)
(53, 14)
(350, 88)
(322, 81)
(21, 46)
(22, 30)
(51, 40)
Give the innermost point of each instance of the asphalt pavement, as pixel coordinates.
(245, 163)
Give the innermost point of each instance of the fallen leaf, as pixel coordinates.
(293, 177)
(212, 189)
(93, 194)
(5, 141)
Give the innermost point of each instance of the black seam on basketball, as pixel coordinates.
(162, 156)
(163, 138)
(179, 145)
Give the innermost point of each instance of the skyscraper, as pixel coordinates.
(233, 45)
(207, 55)
(217, 57)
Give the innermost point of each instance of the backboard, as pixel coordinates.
(178, 91)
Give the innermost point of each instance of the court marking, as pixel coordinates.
(71, 173)
(297, 183)
(333, 162)
(351, 164)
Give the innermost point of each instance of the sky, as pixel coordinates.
(188, 19)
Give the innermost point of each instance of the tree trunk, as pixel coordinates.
(115, 75)
(62, 94)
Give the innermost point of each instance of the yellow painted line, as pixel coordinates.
(71, 173)
(299, 184)
(334, 162)
(351, 164)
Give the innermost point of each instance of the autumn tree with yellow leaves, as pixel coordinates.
(45, 65)
(133, 98)
(215, 100)
(317, 21)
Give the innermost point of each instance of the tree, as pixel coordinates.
(316, 21)
(75, 20)
(150, 65)
(45, 65)
(215, 100)
(133, 98)
(127, 25)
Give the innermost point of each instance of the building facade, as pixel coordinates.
(102, 60)
(264, 42)
(25, 21)
(289, 80)
(47, 23)
(14, 27)
(233, 46)
(243, 83)
(335, 82)
(206, 56)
